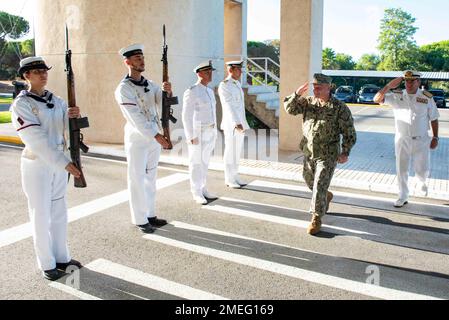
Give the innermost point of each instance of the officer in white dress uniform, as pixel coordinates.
(413, 110)
(234, 122)
(199, 120)
(140, 101)
(41, 120)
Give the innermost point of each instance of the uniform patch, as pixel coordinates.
(19, 120)
(35, 111)
(422, 100)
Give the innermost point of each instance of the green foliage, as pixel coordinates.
(368, 62)
(396, 43)
(5, 117)
(13, 27)
(344, 61)
(435, 56)
(329, 62)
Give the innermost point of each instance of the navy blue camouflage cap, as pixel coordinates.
(319, 78)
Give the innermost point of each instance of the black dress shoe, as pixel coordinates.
(146, 228)
(53, 274)
(155, 222)
(64, 265)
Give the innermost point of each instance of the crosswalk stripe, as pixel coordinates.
(275, 219)
(291, 187)
(23, 231)
(437, 210)
(298, 273)
(72, 291)
(150, 281)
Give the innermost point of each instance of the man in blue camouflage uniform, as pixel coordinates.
(325, 119)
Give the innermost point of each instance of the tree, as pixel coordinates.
(344, 62)
(12, 27)
(329, 62)
(368, 62)
(435, 56)
(396, 43)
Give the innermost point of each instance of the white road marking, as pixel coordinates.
(276, 219)
(362, 197)
(124, 162)
(18, 233)
(361, 110)
(147, 280)
(294, 272)
(72, 291)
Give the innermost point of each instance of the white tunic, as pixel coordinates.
(140, 109)
(233, 104)
(199, 110)
(41, 128)
(412, 113)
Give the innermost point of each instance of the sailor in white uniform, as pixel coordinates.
(140, 101)
(414, 109)
(234, 122)
(199, 120)
(41, 120)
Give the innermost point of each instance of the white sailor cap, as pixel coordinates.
(411, 75)
(31, 63)
(131, 50)
(235, 63)
(205, 65)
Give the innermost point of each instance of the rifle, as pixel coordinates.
(75, 124)
(167, 102)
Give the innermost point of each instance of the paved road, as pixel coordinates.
(249, 244)
(381, 119)
(4, 107)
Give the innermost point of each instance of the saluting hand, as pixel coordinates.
(195, 141)
(73, 170)
(393, 84)
(74, 112)
(166, 86)
(303, 89)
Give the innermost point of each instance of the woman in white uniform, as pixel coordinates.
(41, 119)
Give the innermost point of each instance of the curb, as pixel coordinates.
(11, 139)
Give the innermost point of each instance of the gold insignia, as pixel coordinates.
(422, 100)
(427, 94)
(35, 111)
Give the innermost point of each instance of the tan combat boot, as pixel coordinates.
(315, 225)
(330, 196)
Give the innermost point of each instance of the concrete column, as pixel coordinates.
(301, 47)
(234, 29)
(99, 28)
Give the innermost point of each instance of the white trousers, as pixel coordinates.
(199, 157)
(45, 190)
(233, 150)
(143, 159)
(407, 150)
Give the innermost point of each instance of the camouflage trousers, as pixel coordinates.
(318, 175)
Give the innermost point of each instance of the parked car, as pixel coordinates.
(367, 93)
(345, 94)
(438, 96)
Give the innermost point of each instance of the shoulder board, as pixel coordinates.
(427, 94)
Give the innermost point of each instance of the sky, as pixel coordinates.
(350, 26)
